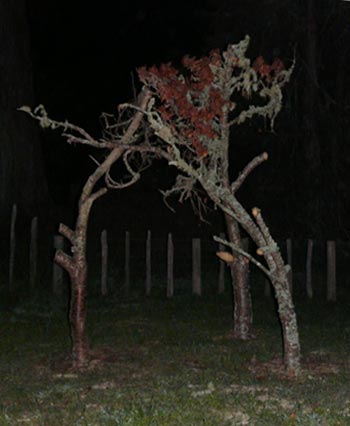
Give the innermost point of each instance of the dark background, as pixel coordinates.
(77, 58)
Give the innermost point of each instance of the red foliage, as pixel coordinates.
(268, 71)
(277, 66)
(188, 104)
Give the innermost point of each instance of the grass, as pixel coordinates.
(158, 362)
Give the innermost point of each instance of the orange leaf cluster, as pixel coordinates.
(182, 104)
(268, 71)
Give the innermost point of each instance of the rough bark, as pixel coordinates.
(76, 265)
(198, 148)
(286, 312)
(278, 273)
(242, 310)
(276, 269)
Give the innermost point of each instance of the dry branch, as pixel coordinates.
(243, 253)
(255, 162)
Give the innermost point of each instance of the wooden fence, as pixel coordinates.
(172, 255)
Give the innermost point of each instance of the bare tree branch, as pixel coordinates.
(78, 135)
(67, 232)
(247, 170)
(135, 176)
(64, 260)
(243, 253)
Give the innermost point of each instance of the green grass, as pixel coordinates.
(159, 362)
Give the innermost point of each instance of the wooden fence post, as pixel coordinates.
(127, 263)
(170, 267)
(104, 262)
(12, 247)
(196, 267)
(222, 266)
(290, 263)
(57, 271)
(33, 252)
(309, 291)
(148, 263)
(331, 272)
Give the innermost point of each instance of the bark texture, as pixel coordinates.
(194, 117)
(76, 264)
(277, 270)
(242, 304)
(286, 312)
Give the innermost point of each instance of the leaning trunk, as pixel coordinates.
(286, 312)
(76, 264)
(242, 311)
(278, 273)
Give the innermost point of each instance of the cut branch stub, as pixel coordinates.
(255, 211)
(225, 256)
(272, 248)
(260, 252)
(67, 232)
(65, 261)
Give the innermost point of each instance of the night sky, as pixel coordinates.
(84, 55)
(85, 62)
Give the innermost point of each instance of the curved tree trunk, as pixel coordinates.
(277, 271)
(278, 274)
(76, 265)
(207, 163)
(287, 316)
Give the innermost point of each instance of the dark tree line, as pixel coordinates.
(312, 129)
(22, 178)
(309, 149)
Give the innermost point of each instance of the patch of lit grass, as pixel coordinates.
(167, 363)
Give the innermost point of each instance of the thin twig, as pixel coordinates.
(243, 253)
(247, 170)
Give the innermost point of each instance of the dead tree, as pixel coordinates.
(117, 140)
(191, 114)
(191, 117)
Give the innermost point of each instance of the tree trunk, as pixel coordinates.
(76, 265)
(278, 273)
(77, 269)
(78, 315)
(286, 312)
(242, 313)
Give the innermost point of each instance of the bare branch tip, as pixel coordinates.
(25, 108)
(225, 256)
(255, 211)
